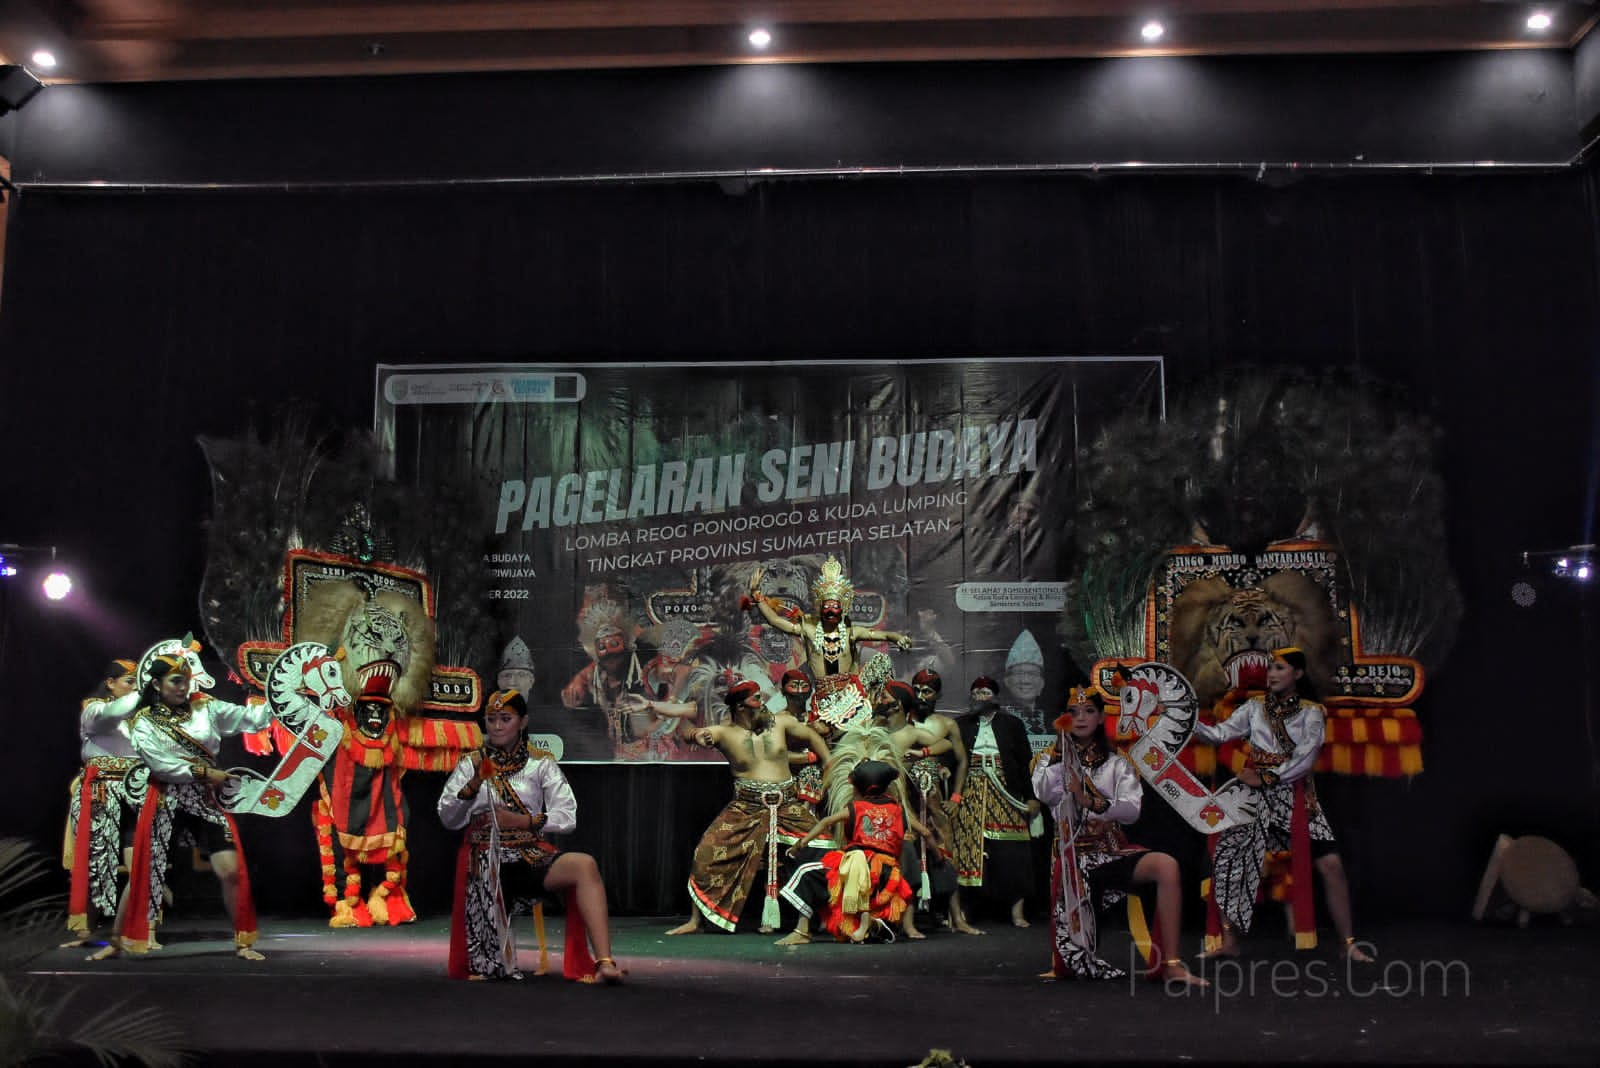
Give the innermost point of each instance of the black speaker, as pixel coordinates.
(17, 87)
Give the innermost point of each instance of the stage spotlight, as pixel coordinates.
(1575, 563)
(760, 38)
(57, 585)
(34, 561)
(1539, 20)
(1152, 31)
(1578, 568)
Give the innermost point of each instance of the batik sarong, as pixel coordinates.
(992, 848)
(763, 819)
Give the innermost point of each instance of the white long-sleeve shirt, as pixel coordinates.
(540, 786)
(103, 726)
(1115, 778)
(1306, 728)
(208, 721)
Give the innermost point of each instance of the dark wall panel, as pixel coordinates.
(1509, 107)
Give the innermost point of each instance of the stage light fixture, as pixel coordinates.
(1578, 568)
(57, 585)
(44, 59)
(760, 37)
(1152, 31)
(1575, 563)
(1539, 20)
(36, 560)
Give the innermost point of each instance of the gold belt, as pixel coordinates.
(110, 767)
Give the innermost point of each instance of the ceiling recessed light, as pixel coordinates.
(1152, 31)
(44, 60)
(1539, 20)
(760, 38)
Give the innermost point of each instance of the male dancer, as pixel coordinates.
(939, 791)
(807, 769)
(830, 641)
(993, 852)
(764, 816)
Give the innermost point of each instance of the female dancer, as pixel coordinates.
(1106, 791)
(1285, 730)
(505, 798)
(100, 822)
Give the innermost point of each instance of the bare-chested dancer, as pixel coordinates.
(764, 817)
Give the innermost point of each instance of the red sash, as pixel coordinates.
(78, 903)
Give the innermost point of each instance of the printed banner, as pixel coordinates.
(626, 508)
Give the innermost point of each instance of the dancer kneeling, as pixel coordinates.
(506, 797)
(1105, 792)
(854, 887)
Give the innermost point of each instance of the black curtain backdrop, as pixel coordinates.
(133, 323)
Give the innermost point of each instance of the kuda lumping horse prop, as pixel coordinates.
(1158, 708)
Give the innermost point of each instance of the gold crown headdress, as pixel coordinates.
(831, 585)
(601, 614)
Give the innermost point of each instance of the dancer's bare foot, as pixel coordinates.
(607, 971)
(794, 938)
(76, 943)
(863, 926)
(912, 933)
(692, 927)
(246, 953)
(1229, 949)
(1175, 971)
(1353, 952)
(1017, 918)
(111, 949)
(153, 943)
(963, 927)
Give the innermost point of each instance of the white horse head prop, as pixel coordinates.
(1158, 690)
(186, 649)
(304, 688)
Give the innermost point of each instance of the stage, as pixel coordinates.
(1440, 994)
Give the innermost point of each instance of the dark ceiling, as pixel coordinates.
(159, 40)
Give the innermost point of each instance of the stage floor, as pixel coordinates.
(1456, 994)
